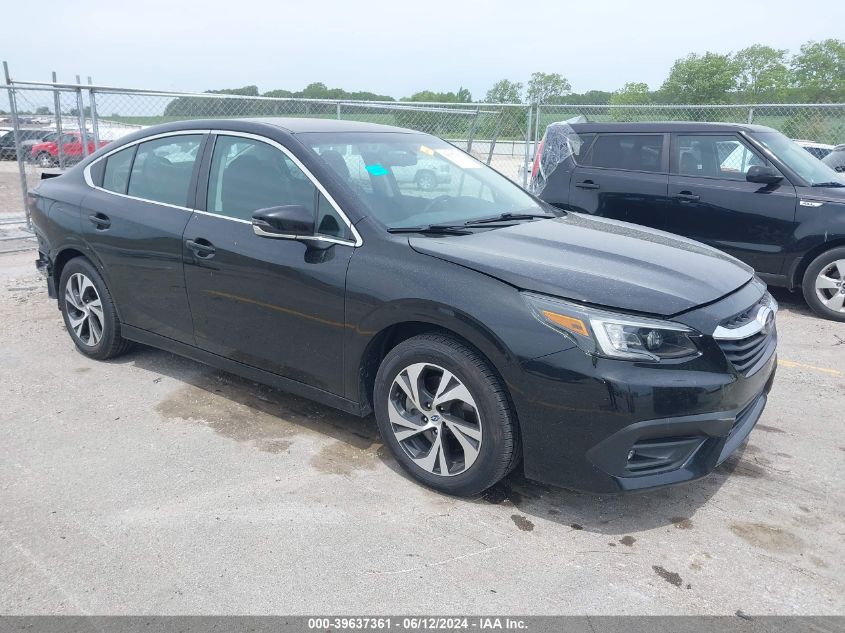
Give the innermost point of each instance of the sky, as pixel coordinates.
(392, 47)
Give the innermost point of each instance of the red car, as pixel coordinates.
(46, 154)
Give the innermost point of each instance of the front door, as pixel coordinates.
(134, 221)
(624, 177)
(275, 304)
(710, 200)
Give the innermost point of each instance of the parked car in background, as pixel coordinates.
(836, 159)
(29, 138)
(485, 328)
(819, 150)
(744, 189)
(46, 153)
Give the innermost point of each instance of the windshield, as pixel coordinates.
(409, 180)
(798, 159)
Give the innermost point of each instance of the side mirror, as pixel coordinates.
(292, 221)
(763, 174)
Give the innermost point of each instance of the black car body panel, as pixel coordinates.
(596, 261)
(317, 320)
(769, 227)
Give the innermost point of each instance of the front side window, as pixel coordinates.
(163, 167)
(407, 180)
(637, 152)
(714, 156)
(116, 176)
(247, 175)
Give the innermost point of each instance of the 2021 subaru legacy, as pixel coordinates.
(485, 328)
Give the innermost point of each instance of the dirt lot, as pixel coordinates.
(153, 484)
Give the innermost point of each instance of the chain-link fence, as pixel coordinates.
(84, 117)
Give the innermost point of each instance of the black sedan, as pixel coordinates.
(483, 327)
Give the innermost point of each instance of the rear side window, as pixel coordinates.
(637, 152)
(163, 168)
(116, 176)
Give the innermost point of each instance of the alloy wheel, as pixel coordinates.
(830, 286)
(84, 309)
(45, 160)
(435, 419)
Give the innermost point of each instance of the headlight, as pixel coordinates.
(616, 335)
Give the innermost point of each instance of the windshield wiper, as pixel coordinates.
(508, 217)
(437, 229)
(832, 183)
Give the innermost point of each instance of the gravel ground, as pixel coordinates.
(155, 485)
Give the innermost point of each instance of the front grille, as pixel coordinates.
(748, 339)
(745, 353)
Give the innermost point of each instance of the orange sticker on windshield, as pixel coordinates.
(426, 150)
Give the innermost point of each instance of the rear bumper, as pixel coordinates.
(608, 426)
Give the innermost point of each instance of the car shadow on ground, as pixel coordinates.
(271, 420)
(792, 301)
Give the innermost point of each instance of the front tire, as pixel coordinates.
(88, 311)
(426, 180)
(445, 415)
(823, 284)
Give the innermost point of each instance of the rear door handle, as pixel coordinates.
(587, 184)
(688, 196)
(100, 221)
(201, 248)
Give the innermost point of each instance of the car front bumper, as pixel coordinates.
(603, 426)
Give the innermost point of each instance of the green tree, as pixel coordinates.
(704, 78)
(461, 96)
(42, 110)
(504, 91)
(819, 70)
(632, 93)
(762, 74)
(546, 87)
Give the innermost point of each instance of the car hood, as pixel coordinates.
(835, 195)
(597, 261)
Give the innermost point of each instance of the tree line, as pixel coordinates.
(757, 74)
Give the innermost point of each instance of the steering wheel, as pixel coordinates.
(436, 201)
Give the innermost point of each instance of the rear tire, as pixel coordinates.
(823, 284)
(45, 160)
(88, 311)
(445, 415)
(426, 180)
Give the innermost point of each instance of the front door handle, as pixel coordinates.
(100, 220)
(688, 196)
(201, 248)
(587, 184)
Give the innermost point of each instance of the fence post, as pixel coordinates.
(527, 143)
(94, 125)
(472, 126)
(80, 107)
(57, 106)
(750, 115)
(495, 137)
(338, 110)
(16, 124)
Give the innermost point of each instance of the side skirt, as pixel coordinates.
(246, 371)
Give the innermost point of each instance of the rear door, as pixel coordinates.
(710, 200)
(134, 219)
(624, 177)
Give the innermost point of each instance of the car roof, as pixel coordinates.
(303, 125)
(667, 126)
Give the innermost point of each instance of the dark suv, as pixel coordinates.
(745, 189)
